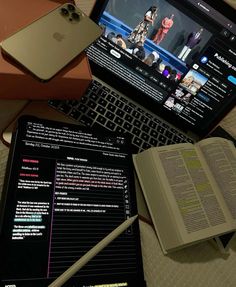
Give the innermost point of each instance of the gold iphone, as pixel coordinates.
(48, 44)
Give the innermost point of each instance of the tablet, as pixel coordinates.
(66, 188)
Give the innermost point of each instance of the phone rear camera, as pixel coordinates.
(71, 7)
(64, 12)
(75, 16)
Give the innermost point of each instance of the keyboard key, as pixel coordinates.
(137, 141)
(162, 138)
(65, 108)
(128, 109)
(109, 115)
(106, 89)
(153, 142)
(169, 142)
(144, 136)
(86, 120)
(144, 120)
(152, 124)
(190, 140)
(157, 120)
(141, 110)
(94, 96)
(91, 104)
(120, 113)
(118, 121)
(115, 94)
(120, 129)
(129, 118)
(101, 119)
(145, 128)
(136, 131)
(160, 129)
(168, 134)
(94, 88)
(146, 145)
(101, 110)
(83, 100)
(154, 133)
(111, 107)
(119, 104)
(148, 115)
(176, 139)
(127, 126)
(110, 125)
(102, 93)
(73, 103)
(110, 98)
(82, 108)
(74, 114)
(132, 105)
(54, 103)
(102, 102)
(137, 123)
(174, 131)
(92, 114)
(136, 114)
(165, 125)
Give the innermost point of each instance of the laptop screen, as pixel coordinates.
(66, 189)
(176, 57)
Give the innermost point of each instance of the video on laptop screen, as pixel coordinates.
(180, 54)
(66, 189)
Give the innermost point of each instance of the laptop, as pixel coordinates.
(164, 71)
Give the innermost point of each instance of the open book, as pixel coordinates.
(190, 190)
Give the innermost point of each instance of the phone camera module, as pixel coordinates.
(64, 12)
(71, 7)
(75, 16)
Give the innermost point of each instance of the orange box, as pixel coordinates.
(16, 83)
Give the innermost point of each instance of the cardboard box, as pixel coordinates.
(16, 83)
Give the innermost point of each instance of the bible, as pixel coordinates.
(190, 190)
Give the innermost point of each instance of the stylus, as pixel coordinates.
(92, 252)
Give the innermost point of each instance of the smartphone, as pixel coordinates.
(49, 43)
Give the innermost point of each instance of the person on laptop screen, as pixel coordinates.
(141, 30)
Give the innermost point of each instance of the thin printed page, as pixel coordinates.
(220, 156)
(189, 192)
(229, 122)
(153, 190)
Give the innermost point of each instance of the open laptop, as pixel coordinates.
(170, 78)
(162, 86)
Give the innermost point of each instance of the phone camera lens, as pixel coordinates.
(70, 7)
(64, 12)
(75, 16)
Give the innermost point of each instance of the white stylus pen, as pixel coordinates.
(92, 252)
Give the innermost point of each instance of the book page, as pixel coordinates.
(189, 191)
(163, 221)
(220, 156)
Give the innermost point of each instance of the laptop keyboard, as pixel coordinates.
(101, 107)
